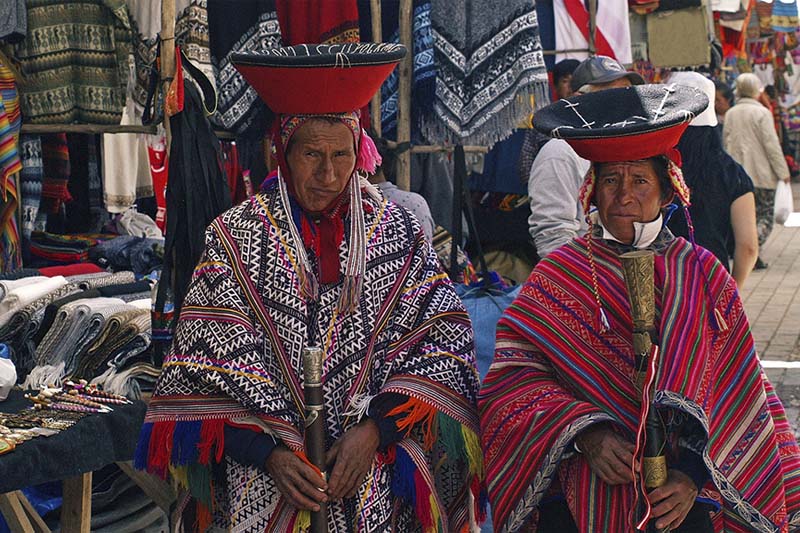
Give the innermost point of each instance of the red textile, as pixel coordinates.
(159, 171)
(315, 91)
(629, 147)
(555, 373)
(55, 159)
(580, 15)
(70, 270)
(318, 21)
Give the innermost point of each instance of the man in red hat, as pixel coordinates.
(562, 412)
(320, 259)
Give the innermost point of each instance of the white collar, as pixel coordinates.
(644, 232)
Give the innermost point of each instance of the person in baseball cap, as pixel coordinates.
(601, 72)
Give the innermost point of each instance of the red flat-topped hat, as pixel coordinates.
(625, 124)
(310, 79)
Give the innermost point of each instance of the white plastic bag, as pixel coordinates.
(783, 202)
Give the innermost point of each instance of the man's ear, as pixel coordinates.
(668, 200)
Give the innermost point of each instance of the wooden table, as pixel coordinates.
(71, 456)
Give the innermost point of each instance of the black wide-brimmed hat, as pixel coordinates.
(319, 78)
(626, 124)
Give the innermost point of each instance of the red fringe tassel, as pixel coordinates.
(212, 437)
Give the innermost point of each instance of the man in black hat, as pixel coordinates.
(557, 171)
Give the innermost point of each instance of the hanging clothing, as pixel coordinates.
(549, 353)
(318, 21)
(31, 178)
(489, 64)
(612, 36)
(249, 247)
(240, 26)
(423, 70)
(785, 16)
(126, 166)
(88, 83)
(10, 249)
(85, 213)
(13, 21)
(197, 192)
(55, 192)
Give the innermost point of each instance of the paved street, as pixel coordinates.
(772, 301)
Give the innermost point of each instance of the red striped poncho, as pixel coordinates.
(554, 374)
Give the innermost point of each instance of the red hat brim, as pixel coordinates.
(317, 90)
(317, 79)
(632, 147)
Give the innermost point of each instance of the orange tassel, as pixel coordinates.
(420, 412)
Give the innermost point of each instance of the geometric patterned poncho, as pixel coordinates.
(554, 374)
(236, 357)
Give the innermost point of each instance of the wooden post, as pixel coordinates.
(592, 27)
(14, 513)
(76, 510)
(404, 104)
(167, 56)
(38, 523)
(377, 37)
(157, 489)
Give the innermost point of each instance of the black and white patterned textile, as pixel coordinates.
(490, 63)
(240, 338)
(240, 26)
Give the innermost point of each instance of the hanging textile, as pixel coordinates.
(55, 161)
(764, 12)
(10, 96)
(485, 77)
(197, 191)
(30, 179)
(784, 15)
(126, 167)
(86, 212)
(191, 34)
(423, 69)
(13, 20)
(612, 35)
(318, 21)
(159, 171)
(240, 26)
(75, 61)
(10, 253)
(547, 30)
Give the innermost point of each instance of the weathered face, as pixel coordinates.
(321, 159)
(721, 104)
(563, 89)
(627, 192)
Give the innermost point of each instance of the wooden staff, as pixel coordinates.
(315, 425)
(638, 270)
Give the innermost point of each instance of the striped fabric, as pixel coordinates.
(75, 61)
(554, 374)
(10, 254)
